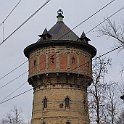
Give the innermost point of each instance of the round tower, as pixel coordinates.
(60, 70)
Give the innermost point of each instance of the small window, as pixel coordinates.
(45, 102)
(67, 102)
(73, 60)
(68, 122)
(34, 62)
(43, 122)
(61, 105)
(52, 59)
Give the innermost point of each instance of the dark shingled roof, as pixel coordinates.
(62, 32)
(61, 35)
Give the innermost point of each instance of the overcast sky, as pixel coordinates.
(75, 11)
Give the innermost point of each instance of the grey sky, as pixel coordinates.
(75, 11)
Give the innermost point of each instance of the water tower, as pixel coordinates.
(60, 70)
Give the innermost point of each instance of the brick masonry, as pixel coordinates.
(60, 60)
(56, 73)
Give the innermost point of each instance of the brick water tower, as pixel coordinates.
(60, 70)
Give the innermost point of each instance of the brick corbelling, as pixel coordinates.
(70, 79)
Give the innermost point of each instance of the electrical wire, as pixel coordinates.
(105, 19)
(68, 71)
(25, 21)
(58, 38)
(75, 68)
(102, 55)
(10, 12)
(3, 22)
(109, 51)
(13, 80)
(94, 14)
(88, 18)
(13, 92)
(16, 96)
(9, 82)
(13, 70)
(76, 27)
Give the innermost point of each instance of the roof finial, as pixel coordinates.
(84, 38)
(60, 15)
(45, 35)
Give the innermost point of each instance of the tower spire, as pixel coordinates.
(60, 15)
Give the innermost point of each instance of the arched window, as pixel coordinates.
(68, 122)
(52, 59)
(67, 102)
(35, 62)
(73, 60)
(45, 102)
(43, 122)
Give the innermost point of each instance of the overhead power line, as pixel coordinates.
(25, 21)
(42, 7)
(105, 19)
(87, 32)
(69, 71)
(13, 70)
(16, 96)
(3, 22)
(76, 27)
(13, 80)
(9, 82)
(10, 12)
(72, 29)
(94, 14)
(13, 91)
(109, 51)
(88, 18)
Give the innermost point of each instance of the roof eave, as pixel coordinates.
(76, 44)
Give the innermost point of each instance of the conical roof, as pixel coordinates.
(60, 31)
(61, 35)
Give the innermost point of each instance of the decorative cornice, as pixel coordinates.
(76, 44)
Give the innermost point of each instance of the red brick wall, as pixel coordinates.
(51, 61)
(63, 61)
(44, 62)
(73, 61)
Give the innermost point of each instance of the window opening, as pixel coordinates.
(43, 122)
(52, 59)
(34, 62)
(68, 122)
(67, 102)
(73, 60)
(45, 102)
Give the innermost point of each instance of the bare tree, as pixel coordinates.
(116, 31)
(14, 117)
(113, 30)
(97, 90)
(120, 119)
(111, 105)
